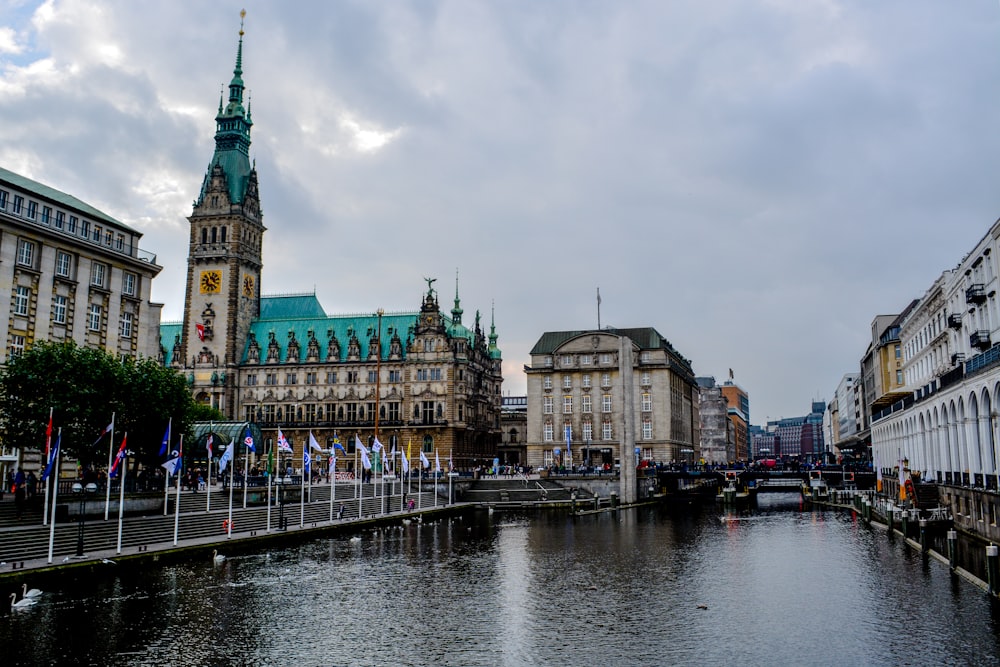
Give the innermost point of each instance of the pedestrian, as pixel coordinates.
(32, 483)
(340, 512)
(19, 492)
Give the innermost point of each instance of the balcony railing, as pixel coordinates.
(958, 358)
(975, 293)
(955, 320)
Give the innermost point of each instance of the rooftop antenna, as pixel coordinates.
(598, 308)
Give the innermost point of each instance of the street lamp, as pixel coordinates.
(82, 491)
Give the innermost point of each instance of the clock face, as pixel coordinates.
(248, 286)
(429, 319)
(210, 282)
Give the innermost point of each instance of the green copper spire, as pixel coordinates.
(232, 135)
(494, 352)
(456, 312)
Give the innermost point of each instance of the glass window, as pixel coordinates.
(547, 405)
(71, 228)
(647, 430)
(46, 214)
(97, 233)
(64, 263)
(567, 405)
(606, 432)
(547, 432)
(120, 245)
(605, 379)
(16, 345)
(18, 203)
(22, 297)
(128, 284)
(32, 209)
(97, 271)
(3, 199)
(588, 431)
(585, 404)
(85, 228)
(25, 253)
(126, 327)
(60, 219)
(606, 403)
(547, 382)
(59, 309)
(645, 379)
(94, 317)
(567, 382)
(586, 381)
(584, 359)
(647, 403)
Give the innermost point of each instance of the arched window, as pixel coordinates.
(204, 235)
(223, 235)
(215, 232)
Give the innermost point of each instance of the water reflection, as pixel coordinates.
(650, 587)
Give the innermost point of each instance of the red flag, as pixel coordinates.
(48, 436)
(200, 328)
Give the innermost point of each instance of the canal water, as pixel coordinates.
(654, 586)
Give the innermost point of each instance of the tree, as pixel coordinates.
(84, 387)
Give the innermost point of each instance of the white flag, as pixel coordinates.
(437, 462)
(313, 444)
(406, 464)
(227, 456)
(424, 461)
(361, 446)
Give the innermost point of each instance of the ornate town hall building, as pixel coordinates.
(421, 376)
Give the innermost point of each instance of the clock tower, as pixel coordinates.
(224, 257)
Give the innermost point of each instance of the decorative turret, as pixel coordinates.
(456, 312)
(493, 349)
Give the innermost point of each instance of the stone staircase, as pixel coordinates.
(515, 490)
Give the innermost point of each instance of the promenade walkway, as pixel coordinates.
(24, 542)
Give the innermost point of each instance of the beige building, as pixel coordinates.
(581, 387)
(69, 272)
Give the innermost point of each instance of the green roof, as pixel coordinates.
(69, 201)
(290, 306)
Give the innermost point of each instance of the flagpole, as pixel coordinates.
(48, 457)
(420, 484)
(177, 474)
(163, 450)
(358, 475)
(229, 522)
(246, 470)
(208, 475)
(55, 493)
(302, 491)
(332, 471)
(270, 477)
(450, 478)
(107, 477)
(121, 491)
(437, 470)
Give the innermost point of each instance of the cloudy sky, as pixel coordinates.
(756, 180)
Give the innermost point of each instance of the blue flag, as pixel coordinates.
(226, 457)
(248, 441)
(166, 439)
(53, 455)
(306, 460)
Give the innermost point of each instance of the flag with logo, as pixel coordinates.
(569, 438)
(333, 465)
(283, 445)
(227, 456)
(337, 445)
(173, 464)
(248, 441)
(119, 457)
(306, 460)
(208, 445)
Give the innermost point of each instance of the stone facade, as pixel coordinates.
(578, 390)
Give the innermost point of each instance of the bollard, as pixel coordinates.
(952, 547)
(993, 567)
(923, 535)
(889, 518)
(904, 521)
(597, 502)
(614, 500)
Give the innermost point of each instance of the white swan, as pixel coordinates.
(217, 557)
(33, 593)
(20, 604)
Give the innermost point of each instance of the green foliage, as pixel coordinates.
(84, 387)
(201, 412)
